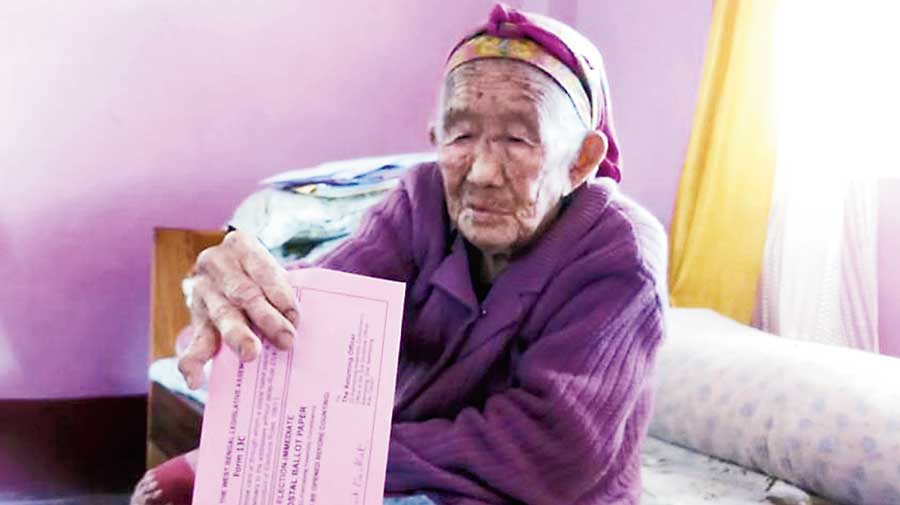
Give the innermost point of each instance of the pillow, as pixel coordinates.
(276, 216)
(316, 204)
(824, 417)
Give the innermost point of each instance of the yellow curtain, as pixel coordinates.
(719, 226)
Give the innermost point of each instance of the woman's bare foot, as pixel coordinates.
(147, 491)
(170, 483)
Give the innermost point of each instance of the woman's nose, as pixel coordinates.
(486, 169)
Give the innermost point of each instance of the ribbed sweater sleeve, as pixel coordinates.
(568, 429)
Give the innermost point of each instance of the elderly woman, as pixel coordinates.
(535, 289)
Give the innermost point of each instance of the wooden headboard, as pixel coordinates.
(173, 422)
(174, 253)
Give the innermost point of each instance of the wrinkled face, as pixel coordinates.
(504, 149)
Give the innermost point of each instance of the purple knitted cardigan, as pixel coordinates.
(541, 393)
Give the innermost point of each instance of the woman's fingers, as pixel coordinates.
(247, 299)
(270, 323)
(230, 322)
(268, 275)
(203, 347)
(245, 273)
(237, 288)
(272, 281)
(272, 278)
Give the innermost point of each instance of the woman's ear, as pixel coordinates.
(432, 136)
(593, 151)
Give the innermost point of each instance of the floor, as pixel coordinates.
(71, 451)
(15, 498)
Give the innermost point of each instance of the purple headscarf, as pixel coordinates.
(566, 46)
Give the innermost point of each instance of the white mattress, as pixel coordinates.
(165, 372)
(673, 475)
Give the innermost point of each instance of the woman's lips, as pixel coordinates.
(485, 208)
(485, 212)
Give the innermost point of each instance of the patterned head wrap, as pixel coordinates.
(567, 56)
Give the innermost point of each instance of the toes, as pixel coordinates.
(151, 486)
(138, 498)
(146, 491)
(147, 481)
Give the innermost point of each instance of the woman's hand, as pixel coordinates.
(237, 285)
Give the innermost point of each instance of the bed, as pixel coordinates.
(824, 417)
(672, 474)
(741, 416)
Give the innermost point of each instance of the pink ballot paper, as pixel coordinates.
(310, 425)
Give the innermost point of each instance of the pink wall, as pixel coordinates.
(118, 117)
(654, 53)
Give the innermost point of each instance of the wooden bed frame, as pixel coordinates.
(173, 420)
